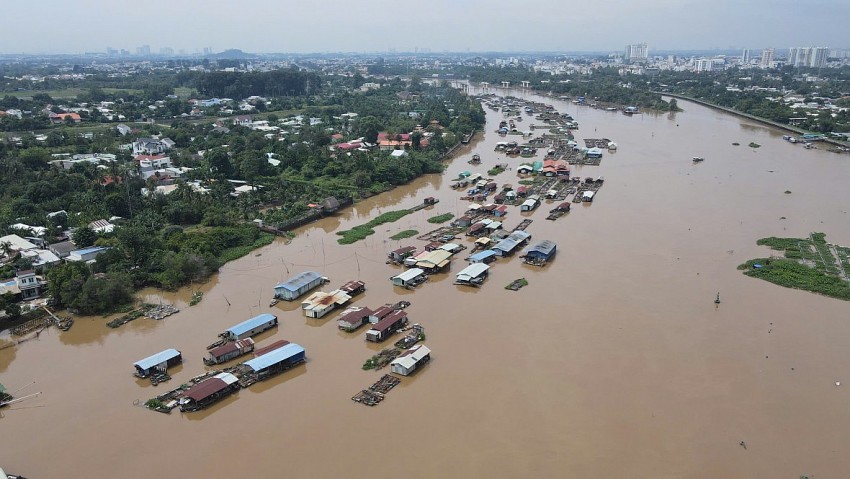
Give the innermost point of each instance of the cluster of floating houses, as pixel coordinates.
(483, 224)
(279, 356)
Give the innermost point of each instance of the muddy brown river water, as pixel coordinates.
(613, 362)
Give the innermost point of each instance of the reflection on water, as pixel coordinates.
(617, 342)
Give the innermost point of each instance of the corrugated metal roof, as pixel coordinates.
(271, 347)
(545, 247)
(472, 271)
(230, 347)
(157, 358)
(482, 255)
(210, 386)
(250, 324)
(354, 316)
(388, 321)
(298, 281)
(412, 356)
(274, 357)
(409, 274)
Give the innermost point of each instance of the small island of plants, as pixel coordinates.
(810, 264)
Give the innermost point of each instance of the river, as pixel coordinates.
(613, 362)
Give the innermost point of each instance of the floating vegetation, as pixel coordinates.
(736, 144)
(495, 170)
(404, 234)
(197, 296)
(809, 264)
(381, 359)
(754, 145)
(516, 284)
(362, 231)
(441, 218)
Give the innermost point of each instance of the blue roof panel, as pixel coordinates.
(482, 255)
(157, 358)
(275, 356)
(250, 324)
(297, 282)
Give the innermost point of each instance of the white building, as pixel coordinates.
(767, 58)
(636, 53)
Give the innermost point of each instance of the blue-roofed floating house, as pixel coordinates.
(251, 327)
(275, 361)
(541, 253)
(298, 285)
(486, 256)
(159, 362)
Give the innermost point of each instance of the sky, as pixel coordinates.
(287, 26)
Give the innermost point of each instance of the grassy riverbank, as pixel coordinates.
(810, 264)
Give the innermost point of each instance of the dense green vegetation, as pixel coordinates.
(441, 218)
(404, 234)
(362, 231)
(808, 264)
(756, 92)
(184, 236)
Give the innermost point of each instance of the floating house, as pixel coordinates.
(321, 303)
(401, 254)
(473, 275)
(411, 360)
(251, 327)
(452, 248)
(435, 261)
(209, 392)
(158, 363)
(353, 288)
(271, 347)
(381, 313)
(228, 351)
(276, 361)
(593, 153)
(587, 196)
(509, 245)
(530, 204)
(410, 278)
(487, 256)
(298, 285)
(541, 253)
(387, 326)
(353, 319)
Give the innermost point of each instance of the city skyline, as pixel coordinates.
(263, 26)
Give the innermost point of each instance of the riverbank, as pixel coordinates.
(758, 119)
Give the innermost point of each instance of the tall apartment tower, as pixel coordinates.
(636, 53)
(746, 56)
(767, 57)
(818, 57)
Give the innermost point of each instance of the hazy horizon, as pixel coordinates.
(264, 26)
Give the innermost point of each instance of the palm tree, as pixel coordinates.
(6, 248)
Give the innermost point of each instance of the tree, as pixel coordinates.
(368, 127)
(84, 237)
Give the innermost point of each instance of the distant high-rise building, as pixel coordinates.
(111, 51)
(636, 53)
(166, 51)
(767, 57)
(813, 57)
(819, 57)
(746, 56)
(143, 51)
(703, 65)
(207, 51)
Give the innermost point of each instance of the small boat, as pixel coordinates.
(697, 159)
(273, 302)
(476, 159)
